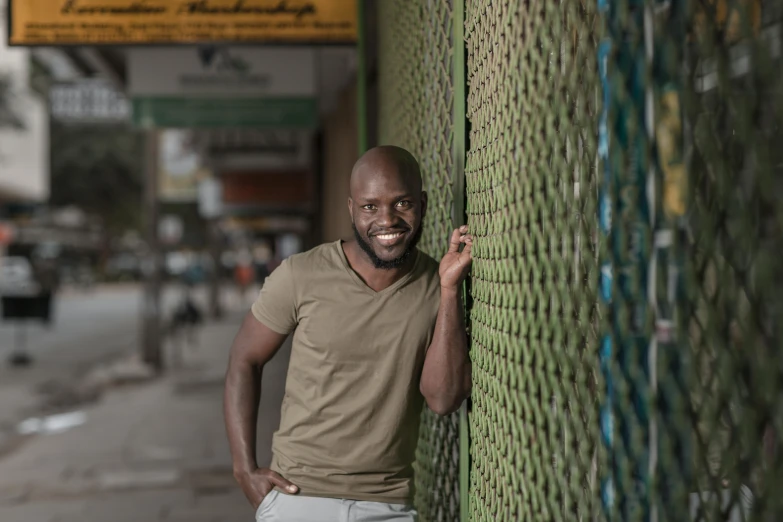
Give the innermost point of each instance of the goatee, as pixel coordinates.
(390, 264)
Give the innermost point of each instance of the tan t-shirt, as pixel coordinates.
(350, 416)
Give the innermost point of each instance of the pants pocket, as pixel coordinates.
(265, 505)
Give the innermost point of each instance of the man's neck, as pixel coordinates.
(376, 278)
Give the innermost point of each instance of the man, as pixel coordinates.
(378, 326)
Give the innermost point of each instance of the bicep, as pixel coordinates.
(256, 343)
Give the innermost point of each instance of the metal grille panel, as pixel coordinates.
(530, 179)
(416, 91)
(623, 180)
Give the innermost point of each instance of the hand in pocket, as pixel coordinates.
(258, 483)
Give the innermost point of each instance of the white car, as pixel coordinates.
(17, 278)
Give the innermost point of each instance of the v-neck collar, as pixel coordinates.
(358, 280)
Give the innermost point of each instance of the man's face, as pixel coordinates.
(387, 212)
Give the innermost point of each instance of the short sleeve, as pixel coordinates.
(276, 303)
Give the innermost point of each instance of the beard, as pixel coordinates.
(389, 264)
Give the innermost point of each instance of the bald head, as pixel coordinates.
(386, 161)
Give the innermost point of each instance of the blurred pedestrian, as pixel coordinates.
(48, 278)
(262, 255)
(377, 330)
(244, 275)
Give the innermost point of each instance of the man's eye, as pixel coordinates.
(404, 203)
(369, 207)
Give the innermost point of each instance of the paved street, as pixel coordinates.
(90, 328)
(145, 452)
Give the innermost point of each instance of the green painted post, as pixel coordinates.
(362, 77)
(459, 142)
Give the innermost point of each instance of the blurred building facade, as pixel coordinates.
(247, 149)
(24, 127)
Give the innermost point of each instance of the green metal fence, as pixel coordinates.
(416, 109)
(623, 178)
(530, 180)
(693, 179)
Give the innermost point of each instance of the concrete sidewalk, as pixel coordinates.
(150, 452)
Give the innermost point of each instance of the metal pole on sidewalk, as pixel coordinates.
(151, 334)
(215, 250)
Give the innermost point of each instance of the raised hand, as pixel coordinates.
(455, 265)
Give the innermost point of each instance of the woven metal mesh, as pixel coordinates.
(693, 344)
(734, 278)
(623, 180)
(415, 91)
(530, 177)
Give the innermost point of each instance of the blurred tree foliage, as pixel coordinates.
(100, 169)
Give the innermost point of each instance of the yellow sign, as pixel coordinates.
(128, 22)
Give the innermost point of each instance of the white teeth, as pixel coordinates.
(389, 236)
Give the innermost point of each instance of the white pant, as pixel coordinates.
(278, 507)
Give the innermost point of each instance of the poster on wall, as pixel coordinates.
(141, 22)
(181, 166)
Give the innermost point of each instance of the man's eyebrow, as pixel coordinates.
(370, 199)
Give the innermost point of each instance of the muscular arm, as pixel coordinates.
(445, 379)
(253, 347)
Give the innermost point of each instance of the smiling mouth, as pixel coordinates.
(389, 237)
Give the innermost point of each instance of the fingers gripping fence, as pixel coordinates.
(415, 79)
(623, 180)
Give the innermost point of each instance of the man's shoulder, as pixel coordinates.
(322, 256)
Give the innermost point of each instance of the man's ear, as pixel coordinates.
(423, 204)
(350, 208)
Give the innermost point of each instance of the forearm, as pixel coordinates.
(445, 380)
(240, 406)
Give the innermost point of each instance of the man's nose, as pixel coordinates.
(386, 217)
